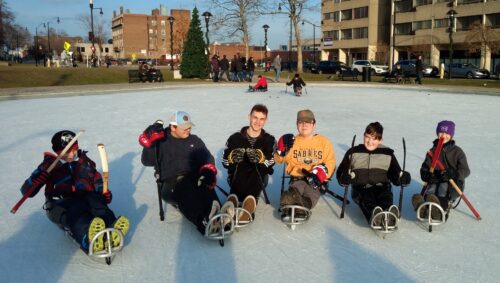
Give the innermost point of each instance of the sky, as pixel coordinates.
(69, 10)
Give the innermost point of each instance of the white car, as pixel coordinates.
(376, 68)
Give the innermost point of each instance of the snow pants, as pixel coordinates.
(369, 198)
(309, 195)
(75, 214)
(247, 182)
(192, 201)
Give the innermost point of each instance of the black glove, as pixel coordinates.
(405, 178)
(285, 143)
(156, 128)
(151, 134)
(345, 179)
(236, 155)
(255, 155)
(446, 175)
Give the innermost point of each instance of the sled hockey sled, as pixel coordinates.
(428, 219)
(291, 219)
(219, 227)
(384, 226)
(257, 90)
(238, 213)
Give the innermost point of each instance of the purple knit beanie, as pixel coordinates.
(446, 127)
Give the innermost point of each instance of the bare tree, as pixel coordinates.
(233, 17)
(481, 37)
(101, 28)
(6, 19)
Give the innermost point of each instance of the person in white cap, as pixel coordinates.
(185, 167)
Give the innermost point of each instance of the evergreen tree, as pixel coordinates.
(194, 60)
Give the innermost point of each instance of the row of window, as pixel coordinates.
(462, 23)
(346, 15)
(409, 5)
(345, 34)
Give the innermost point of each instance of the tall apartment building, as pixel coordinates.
(423, 27)
(357, 29)
(148, 36)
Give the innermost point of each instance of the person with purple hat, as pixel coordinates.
(452, 164)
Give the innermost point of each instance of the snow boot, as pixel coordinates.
(417, 201)
(290, 197)
(228, 208)
(249, 204)
(96, 226)
(376, 220)
(394, 210)
(234, 199)
(215, 209)
(435, 213)
(122, 224)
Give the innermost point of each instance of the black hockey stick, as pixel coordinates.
(262, 185)
(283, 179)
(222, 190)
(159, 183)
(402, 186)
(346, 188)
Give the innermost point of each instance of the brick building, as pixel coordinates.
(149, 36)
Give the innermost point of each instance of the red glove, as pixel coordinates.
(285, 143)
(208, 176)
(320, 174)
(151, 134)
(108, 196)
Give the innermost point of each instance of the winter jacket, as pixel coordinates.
(67, 179)
(297, 82)
(177, 156)
(277, 63)
(307, 153)
(224, 64)
(453, 159)
(261, 83)
(215, 64)
(251, 65)
(264, 142)
(371, 168)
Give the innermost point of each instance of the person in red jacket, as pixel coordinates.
(260, 86)
(75, 199)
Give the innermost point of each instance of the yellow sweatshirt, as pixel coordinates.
(307, 153)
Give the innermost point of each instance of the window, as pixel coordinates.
(106, 49)
(162, 23)
(464, 23)
(336, 16)
(361, 12)
(346, 33)
(493, 20)
(346, 15)
(422, 25)
(441, 23)
(335, 35)
(153, 22)
(82, 49)
(360, 32)
(403, 29)
(327, 34)
(423, 2)
(150, 30)
(404, 6)
(327, 16)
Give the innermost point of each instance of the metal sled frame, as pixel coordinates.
(385, 227)
(429, 221)
(221, 233)
(291, 220)
(239, 211)
(109, 251)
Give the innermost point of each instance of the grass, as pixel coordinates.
(30, 76)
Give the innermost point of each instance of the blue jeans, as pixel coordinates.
(278, 73)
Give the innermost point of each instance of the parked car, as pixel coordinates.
(409, 68)
(330, 67)
(376, 68)
(466, 70)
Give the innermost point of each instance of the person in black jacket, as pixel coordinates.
(452, 164)
(419, 68)
(186, 169)
(250, 68)
(371, 168)
(248, 157)
(224, 67)
(297, 83)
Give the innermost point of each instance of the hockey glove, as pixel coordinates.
(404, 178)
(255, 155)
(207, 176)
(285, 143)
(151, 134)
(237, 155)
(346, 178)
(108, 196)
(318, 175)
(448, 174)
(36, 182)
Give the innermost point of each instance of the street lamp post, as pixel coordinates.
(314, 38)
(92, 37)
(48, 34)
(171, 20)
(265, 27)
(207, 16)
(451, 16)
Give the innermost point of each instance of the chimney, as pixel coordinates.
(121, 10)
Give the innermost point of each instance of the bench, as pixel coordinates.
(133, 76)
(349, 74)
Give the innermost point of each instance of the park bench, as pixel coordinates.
(133, 76)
